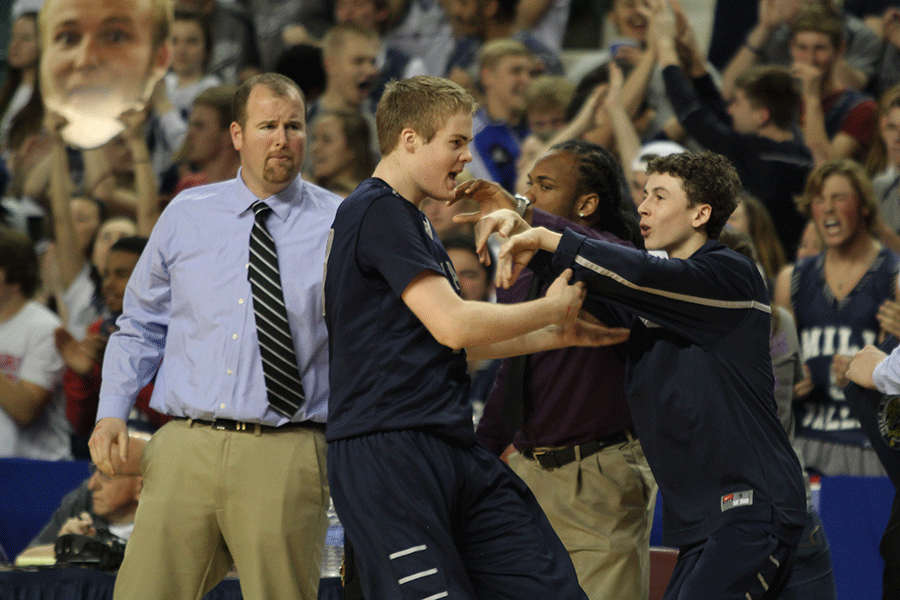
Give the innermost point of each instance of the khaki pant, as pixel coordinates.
(212, 499)
(602, 509)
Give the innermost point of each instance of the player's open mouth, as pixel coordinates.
(831, 225)
(645, 230)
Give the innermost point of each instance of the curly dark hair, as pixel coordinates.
(599, 173)
(707, 178)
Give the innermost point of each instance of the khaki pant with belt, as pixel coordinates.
(602, 509)
(212, 499)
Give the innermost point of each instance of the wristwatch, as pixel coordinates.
(522, 204)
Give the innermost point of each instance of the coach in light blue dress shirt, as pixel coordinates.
(229, 481)
(187, 303)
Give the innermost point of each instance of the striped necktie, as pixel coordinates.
(276, 347)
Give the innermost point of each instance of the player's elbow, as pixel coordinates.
(450, 336)
(449, 325)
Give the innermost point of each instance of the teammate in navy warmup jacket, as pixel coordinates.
(430, 513)
(699, 375)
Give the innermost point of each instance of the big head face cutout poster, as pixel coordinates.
(99, 59)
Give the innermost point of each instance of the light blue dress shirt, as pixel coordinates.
(886, 375)
(189, 301)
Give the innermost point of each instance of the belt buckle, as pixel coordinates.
(538, 453)
(219, 425)
(548, 454)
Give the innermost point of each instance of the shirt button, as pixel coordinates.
(221, 406)
(234, 337)
(241, 301)
(229, 371)
(247, 266)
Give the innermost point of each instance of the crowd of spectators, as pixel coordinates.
(802, 96)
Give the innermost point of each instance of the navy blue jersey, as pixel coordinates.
(699, 383)
(387, 370)
(828, 327)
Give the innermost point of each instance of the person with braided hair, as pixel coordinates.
(574, 442)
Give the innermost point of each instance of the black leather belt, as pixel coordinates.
(232, 425)
(554, 458)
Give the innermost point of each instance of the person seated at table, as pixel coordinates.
(101, 507)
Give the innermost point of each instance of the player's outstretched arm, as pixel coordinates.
(583, 332)
(458, 323)
(578, 329)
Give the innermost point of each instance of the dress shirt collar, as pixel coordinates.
(280, 203)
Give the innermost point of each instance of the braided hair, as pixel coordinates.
(599, 173)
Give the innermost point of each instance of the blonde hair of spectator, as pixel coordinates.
(858, 178)
(421, 103)
(494, 51)
(549, 92)
(337, 36)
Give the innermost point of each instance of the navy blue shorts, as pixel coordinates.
(740, 561)
(429, 519)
